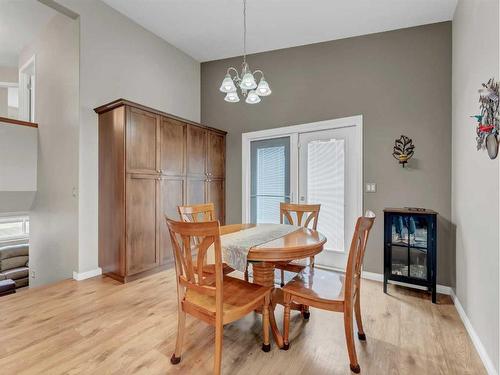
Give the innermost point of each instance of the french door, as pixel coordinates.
(329, 175)
(307, 164)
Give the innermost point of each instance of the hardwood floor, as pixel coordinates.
(99, 326)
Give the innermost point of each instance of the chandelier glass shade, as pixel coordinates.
(244, 81)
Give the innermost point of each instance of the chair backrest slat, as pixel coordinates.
(197, 213)
(188, 255)
(357, 253)
(310, 210)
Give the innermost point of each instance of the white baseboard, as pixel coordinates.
(87, 274)
(443, 289)
(483, 354)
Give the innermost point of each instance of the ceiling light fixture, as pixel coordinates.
(247, 84)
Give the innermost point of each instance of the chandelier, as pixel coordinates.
(246, 80)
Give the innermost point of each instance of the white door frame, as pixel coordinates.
(293, 132)
(26, 71)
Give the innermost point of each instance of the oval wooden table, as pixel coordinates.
(300, 244)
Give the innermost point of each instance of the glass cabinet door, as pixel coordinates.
(418, 231)
(418, 263)
(399, 230)
(399, 260)
(409, 246)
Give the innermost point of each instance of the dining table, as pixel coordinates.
(295, 243)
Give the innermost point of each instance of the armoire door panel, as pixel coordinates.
(216, 195)
(172, 147)
(195, 191)
(216, 150)
(141, 141)
(171, 196)
(141, 219)
(196, 150)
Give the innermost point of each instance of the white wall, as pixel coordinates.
(18, 167)
(8, 74)
(18, 155)
(120, 59)
(54, 215)
(475, 178)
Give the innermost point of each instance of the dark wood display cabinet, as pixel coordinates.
(410, 237)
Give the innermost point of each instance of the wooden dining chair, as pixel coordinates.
(197, 213)
(211, 297)
(334, 291)
(305, 215)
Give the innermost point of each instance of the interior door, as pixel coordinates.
(141, 141)
(171, 196)
(141, 217)
(269, 178)
(329, 174)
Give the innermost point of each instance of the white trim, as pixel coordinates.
(23, 100)
(8, 84)
(483, 354)
(87, 275)
(293, 132)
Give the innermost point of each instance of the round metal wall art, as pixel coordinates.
(488, 121)
(403, 149)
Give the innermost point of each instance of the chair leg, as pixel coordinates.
(311, 261)
(219, 333)
(349, 336)
(246, 272)
(266, 346)
(286, 321)
(181, 328)
(306, 314)
(357, 311)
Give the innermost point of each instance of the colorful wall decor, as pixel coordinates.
(403, 149)
(488, 121)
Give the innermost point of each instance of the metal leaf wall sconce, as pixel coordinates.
(403, 150)
(487, 128)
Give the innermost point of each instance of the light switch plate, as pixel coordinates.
(370, 187)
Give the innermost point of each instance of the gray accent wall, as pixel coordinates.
(400, 81)
(475, 184)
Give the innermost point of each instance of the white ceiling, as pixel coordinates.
(212, 29)
(20, 21)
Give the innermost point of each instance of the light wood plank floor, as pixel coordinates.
(99, 326)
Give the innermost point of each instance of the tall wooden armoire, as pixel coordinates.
(149, 163)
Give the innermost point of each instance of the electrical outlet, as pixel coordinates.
(370, 187)
(33, 274)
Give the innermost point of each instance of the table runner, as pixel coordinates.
(235, 246)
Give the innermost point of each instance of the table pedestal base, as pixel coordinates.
(263, 274)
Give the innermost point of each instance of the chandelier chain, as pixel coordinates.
(244, 31)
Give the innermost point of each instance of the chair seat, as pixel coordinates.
(317, 285)
(239, 297)
(210, 268)
(293, 266)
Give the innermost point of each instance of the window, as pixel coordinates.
(270, 178)
(14, 228)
